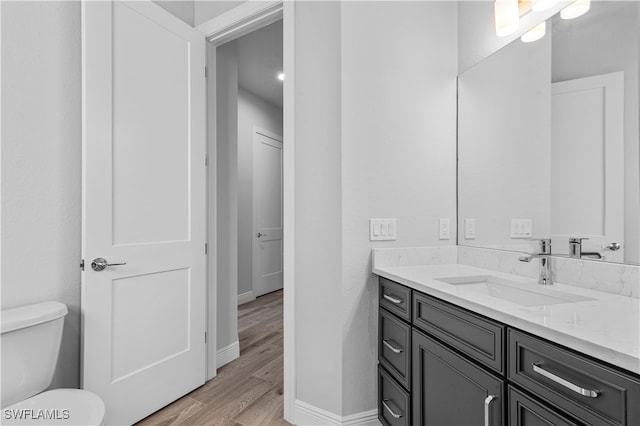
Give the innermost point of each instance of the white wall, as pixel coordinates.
(41, 146)
(318, 210)
(209, 9)
(504, 143)
(183, 9)
(227, 194)
(375, 137)
(252, 111)
(399, 66)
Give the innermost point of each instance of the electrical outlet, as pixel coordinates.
(445, 229)
(382, 229)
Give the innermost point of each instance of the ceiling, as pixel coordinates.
(260, 62)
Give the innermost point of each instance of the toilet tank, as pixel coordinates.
(30, 343)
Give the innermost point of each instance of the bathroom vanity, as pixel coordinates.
(464, 345)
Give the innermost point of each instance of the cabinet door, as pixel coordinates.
(448, 390)
(524, 411)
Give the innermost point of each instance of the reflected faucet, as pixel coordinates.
(545, 261)
(575, 249)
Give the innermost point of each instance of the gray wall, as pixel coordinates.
(208, 9)
(183, 9)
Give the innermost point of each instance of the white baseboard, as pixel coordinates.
(308, 415)
(246, 297)
(227, 354)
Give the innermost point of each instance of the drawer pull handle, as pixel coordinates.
(487, 409)
(392, 299)
(394, 349)
(567, 384)
(393, 413)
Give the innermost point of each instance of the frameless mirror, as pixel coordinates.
(548, 139)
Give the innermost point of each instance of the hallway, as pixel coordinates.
(247, 391)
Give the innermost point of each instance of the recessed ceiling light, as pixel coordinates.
(281, 76)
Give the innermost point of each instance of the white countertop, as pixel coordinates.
(606, 327)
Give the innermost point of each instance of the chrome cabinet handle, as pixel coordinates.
(612, 247)
(390, 346)
(567, 384)
(98, 264)
(487, 409)
(391, 299)
(393, 413)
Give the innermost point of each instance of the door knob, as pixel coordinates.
(259, 234)
(98, 264)
(612, 246)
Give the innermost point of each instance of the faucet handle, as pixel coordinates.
(544, 244)
(577, 240)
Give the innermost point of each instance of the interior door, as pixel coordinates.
(587, 195)
(267, 213)
(144, 205)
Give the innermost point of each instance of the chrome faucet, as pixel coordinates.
(575, 249)
(545, 261)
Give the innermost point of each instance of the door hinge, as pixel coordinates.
(206, 160)
(205, 337)
(206, 248)
(206, 72)
(82, 265)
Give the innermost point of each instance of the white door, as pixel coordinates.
(144, 204)
(587, 149)
(267, 212)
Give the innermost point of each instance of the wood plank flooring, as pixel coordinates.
(247, 391)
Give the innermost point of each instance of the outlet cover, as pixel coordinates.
(445, 229)
(469, 229)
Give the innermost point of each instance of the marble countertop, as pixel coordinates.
(606, 326)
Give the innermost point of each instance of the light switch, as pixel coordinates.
(382, 229)
(445, 226)
(469, 229)
(521, 228)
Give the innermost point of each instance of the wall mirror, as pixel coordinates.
(548, 139)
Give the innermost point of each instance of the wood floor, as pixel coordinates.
(247, 391)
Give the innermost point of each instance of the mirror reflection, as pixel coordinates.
(548, 140)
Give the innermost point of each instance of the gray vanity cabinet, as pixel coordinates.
(451, 391)
(440, 364)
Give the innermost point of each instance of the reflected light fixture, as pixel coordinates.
(507, 16)
(535, 33)
(575, 9)
(281, 76)
(540, 5)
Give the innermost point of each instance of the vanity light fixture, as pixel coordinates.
(540, 5)
(575, 9)
(535, 33)
(507, 17)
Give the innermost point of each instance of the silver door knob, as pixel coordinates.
(98, 264)
(612, 246)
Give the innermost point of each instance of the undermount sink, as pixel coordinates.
(512, 291)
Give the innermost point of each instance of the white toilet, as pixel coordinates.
(30, 343)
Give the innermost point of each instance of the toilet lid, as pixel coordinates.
(56, 407)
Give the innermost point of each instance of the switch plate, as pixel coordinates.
(469, 229)
(521, 228)
(382, 229)
(445, 227)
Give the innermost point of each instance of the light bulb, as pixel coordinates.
(575, 9)
(535, 33)
(507, 16)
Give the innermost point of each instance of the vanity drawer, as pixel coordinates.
(394, 347)
(477, 337)
(592, 393)
(396, 298)
(524, 411)
(393, 401)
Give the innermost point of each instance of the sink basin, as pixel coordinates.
(512, 291)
